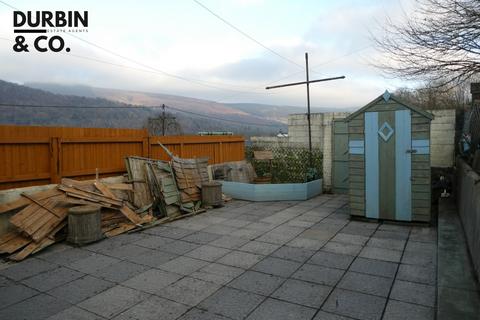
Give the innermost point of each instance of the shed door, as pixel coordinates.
(388, 165)
(340, 156)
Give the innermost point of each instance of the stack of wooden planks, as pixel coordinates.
(190, 175)
(42, 218)
(156, 178)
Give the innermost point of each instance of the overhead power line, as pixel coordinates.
(145, 108)
(247, 35)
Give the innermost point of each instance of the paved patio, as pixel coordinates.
(282, 260)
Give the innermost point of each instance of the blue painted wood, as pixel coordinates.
(372, 181)
(272, 192)
(356, 147)
(403, 166)
(422, 146)
(385, 131)
(386, 96)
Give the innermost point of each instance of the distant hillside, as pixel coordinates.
(248, 112)
(121, 114)
(276, 113)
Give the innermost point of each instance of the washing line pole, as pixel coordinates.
(307, 82)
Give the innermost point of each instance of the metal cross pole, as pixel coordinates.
(308, 101)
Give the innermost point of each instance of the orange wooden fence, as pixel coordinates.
(40, 155)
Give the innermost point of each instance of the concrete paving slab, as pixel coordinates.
(275, 309)
(374, 267)
(332, 260)
(113, 301)
(75, 313)
(153, 308)
(293, 253)
(189, 291)
(27, 268)
(240, 259)
(198, 314)
(381, 254)
(52, 278)
(276, 266)
(207, 253)
(259, 247)
(228, 242)
(301, 292)
(81, 289)
(14, 293)
(318, 274)
(232, 303)
(217, 273)
(355, 304)
(397, 310)
(411, 292)
(37, 307)
(420, 274)
(378, 286)
(342, 248)
(152, 281)
(178, 247)
(257, 282)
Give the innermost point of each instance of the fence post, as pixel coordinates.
(220, 146)
(55, 146)
(145, 147)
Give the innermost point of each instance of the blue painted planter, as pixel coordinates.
(272, 192)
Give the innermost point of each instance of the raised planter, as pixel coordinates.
(272, 192)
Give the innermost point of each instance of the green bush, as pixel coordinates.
(289, 164)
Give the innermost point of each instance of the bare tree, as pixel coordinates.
(431, 97)
(439, 43)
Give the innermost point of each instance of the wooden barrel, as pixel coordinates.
(212, 194)
(84, 224)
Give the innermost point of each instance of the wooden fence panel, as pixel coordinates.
(39, 155)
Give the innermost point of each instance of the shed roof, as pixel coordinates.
(386, 97)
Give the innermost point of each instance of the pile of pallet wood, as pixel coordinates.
(153, 192)
(42, 218)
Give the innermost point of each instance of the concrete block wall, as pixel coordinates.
(298, 129)
(442, 136)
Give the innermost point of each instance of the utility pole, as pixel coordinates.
(308, 101)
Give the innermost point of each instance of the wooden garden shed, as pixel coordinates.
(389, 161)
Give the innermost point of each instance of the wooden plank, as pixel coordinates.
(357, 212)
(403, 163)
(122, 228)
(356, 164)
(14, 244)
(120, 186)
(387, 168)
(104, 190)
(356, 171)
(421, 196)
(421, 203)
(421, 188)
(357, 178)
(23, 201)
(421, 211)
(356, 192)
(371, 165)
(357, 185)
(130, 215)
(357, 205)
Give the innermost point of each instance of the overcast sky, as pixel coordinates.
(183, 39)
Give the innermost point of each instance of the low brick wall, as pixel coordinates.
(468, 203)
